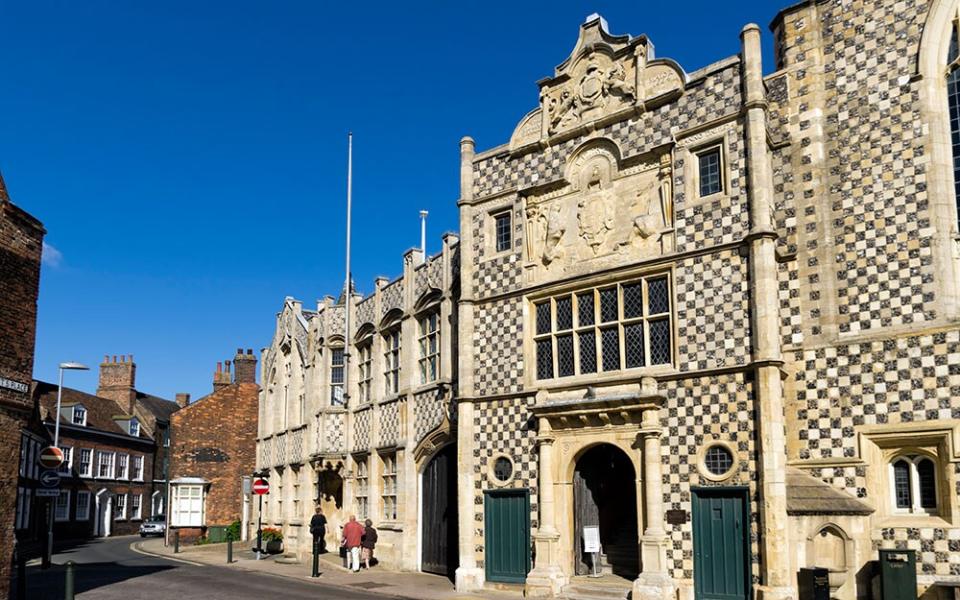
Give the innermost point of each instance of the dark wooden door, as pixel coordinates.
(720, 544)
(507, 535)
(586, 514)
(439, 541)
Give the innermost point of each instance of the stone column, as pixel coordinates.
(654, 583)
(776, 580)
(469, 577)
(547, 579)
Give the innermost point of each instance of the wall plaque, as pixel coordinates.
(677, 517)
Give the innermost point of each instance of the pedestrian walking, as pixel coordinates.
(368, 543)
(352, 536)
(318, 529)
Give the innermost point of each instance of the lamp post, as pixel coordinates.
(65, 366)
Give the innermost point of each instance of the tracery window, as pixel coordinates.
(608, 328)
(913, 481)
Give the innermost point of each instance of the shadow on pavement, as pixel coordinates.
(49, 584)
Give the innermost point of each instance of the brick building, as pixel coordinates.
(213, 446)
(112, 443)
(21, 239)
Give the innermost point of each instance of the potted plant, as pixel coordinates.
(273, 538)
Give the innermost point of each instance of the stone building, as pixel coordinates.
(111, 442)
(21, 239)
(212, 448)
(707, 319)
(360, 451)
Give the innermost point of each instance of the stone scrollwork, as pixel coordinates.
(599, 86)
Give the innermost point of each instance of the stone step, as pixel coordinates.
(596, 591)
(287, 559)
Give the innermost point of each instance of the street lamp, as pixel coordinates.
(64, 366)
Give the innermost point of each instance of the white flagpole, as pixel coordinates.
(348, 292)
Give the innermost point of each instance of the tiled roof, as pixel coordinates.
(807, 495)
(100, 411)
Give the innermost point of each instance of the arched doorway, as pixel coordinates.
(605, 496)
(438, 537)
(330, 499)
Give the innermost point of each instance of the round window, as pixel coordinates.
(718, 460)
(502, 469)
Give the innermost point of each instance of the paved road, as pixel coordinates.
(108, 569)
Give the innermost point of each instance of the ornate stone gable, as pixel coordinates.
(607, 212)
(605, 79)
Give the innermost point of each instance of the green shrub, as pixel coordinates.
(233, 531)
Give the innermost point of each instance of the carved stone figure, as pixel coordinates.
(596, 211)
(647, 227)
(616, 83)
(555, 228)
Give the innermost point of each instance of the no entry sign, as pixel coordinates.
(50, 457)
(260, 487)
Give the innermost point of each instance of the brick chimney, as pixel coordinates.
(244, 367)
(183, 400)
(117, 380)
(221, 378)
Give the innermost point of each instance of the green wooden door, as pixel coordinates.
(720, 544)
(507, 535)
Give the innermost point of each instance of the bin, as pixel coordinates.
(898, 574)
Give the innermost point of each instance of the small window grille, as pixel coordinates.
(545, 359)
(608, 305)
(502, 469)
(588, 351)
(901, 484)
(564, 313)
(543, 318)
(585, 308)
(565, 355)
(718, 460)
(611, 348)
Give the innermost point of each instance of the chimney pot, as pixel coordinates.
(226, 365)
(250, 351)
(219, 367)
(106, 358)
(239, 350)
(114, 358)
(183, 400)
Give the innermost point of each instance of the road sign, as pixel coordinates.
(50, 457)
(47, 493)
(49, 479)
(260, 487)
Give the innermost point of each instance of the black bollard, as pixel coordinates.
(316, 558)
(229, 549)
(68, 583)
(21, 576)
(176, 542)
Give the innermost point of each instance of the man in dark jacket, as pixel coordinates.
(368, 543)
(318, 529)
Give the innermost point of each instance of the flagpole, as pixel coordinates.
(348, 292)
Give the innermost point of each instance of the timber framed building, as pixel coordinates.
(711, 316)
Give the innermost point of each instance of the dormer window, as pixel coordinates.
(134, 428)
(79, 416)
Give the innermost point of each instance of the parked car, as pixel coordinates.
(155, 525)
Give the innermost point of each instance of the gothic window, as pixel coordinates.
(612, 328)
(502, 230)
(336, 377)
(429, 341)
(914, 484)
(389, 486)
(392, 361)
(953, 98)
(364, 351)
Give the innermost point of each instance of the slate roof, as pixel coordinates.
(100, 411)
(160, 408)
(807, 495)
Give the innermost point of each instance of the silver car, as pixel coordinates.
(155, 525)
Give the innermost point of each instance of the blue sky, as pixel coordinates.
(188, 158)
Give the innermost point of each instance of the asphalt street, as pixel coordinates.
(109, 569)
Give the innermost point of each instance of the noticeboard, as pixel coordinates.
(591, 539)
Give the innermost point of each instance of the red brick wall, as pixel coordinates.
(215, 438)
(20, 247)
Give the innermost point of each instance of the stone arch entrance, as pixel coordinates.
(330, 499)
(438, 523)
(605, 496)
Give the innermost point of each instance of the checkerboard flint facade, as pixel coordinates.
(812, 342)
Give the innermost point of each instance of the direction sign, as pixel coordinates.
(49, 479)
(260, 487)
(50, 457)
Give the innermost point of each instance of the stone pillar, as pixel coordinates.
(547, 579)
(469, 577)
(776, 580)
(654, 583)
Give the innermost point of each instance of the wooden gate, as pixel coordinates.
(721, 544)
(506, 519)
(439, 517)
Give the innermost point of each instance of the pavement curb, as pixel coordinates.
(136, 547)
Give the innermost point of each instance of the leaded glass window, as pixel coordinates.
(502, 223)
(624, 326)
(914, 484)
(336, 377)
(365, 363)
(710, 175)
(391, 363)
(429, 347)
(953, 100)
(718, 460)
